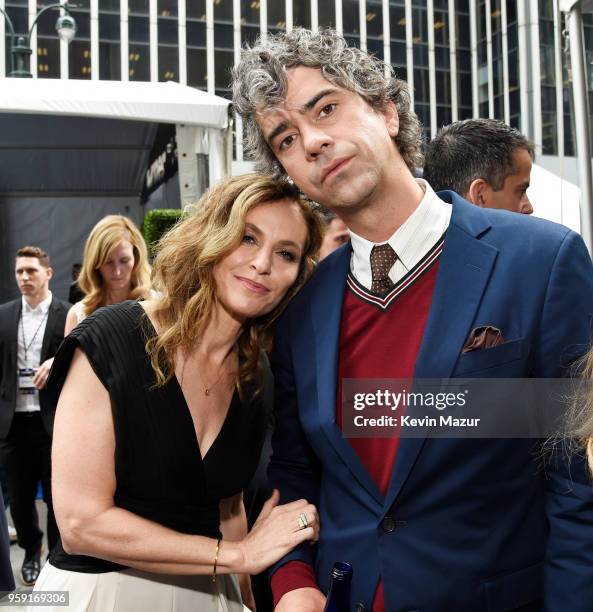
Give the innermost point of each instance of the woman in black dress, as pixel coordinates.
(160, 420)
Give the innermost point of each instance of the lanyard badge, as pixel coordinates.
(25, 375)
(26, 386)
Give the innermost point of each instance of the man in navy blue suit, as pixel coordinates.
(430, 287)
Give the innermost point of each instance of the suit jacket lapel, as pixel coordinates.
(326, 312)
(464, 270)
(15, 330)
(52, 315)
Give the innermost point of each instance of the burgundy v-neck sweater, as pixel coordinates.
(379, 338)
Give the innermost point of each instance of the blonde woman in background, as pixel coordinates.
(167, 397)
(115, 268)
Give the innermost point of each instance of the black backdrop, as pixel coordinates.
(58, 176)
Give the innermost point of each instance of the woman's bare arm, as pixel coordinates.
(83, 484)
(233, 526)
(71, 321)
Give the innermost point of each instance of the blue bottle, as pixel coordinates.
(338, 597)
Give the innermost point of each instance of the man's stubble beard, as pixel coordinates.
(349, 201)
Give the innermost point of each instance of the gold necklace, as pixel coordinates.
(208, 388)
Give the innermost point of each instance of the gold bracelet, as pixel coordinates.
(215, 560)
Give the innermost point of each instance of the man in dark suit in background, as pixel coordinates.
(31, 330)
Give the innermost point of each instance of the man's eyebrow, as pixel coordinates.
(307, 106)
(283, 125)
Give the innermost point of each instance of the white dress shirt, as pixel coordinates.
(411, 242)
(32, 325)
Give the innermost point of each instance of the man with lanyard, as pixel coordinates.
(31, 329)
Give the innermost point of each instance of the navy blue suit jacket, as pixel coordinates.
(479, 524)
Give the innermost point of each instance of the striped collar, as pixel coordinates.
(383, 303)
(412, 241)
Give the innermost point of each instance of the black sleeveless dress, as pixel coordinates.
(159, 470)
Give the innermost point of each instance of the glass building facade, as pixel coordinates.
(463, 58)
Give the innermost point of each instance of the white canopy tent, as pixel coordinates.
(72, 151)
(201, 119)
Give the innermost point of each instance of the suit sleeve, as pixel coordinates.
(294, 469)
(564, 336)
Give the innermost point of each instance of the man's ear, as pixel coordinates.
(50, 272)
(478, 192)
(391, 118)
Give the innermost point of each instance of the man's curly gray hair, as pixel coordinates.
(259, 83)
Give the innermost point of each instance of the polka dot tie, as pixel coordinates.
(382, 259)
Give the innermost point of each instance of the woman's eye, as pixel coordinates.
(287, 255)
(328, 109)
(248, 239)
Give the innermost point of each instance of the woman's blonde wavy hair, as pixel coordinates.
(580, 417)
(183, 272)
(107, 234)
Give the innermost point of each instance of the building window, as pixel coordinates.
(374, 17)
(223, 36)
(109, 61)
(250, 12)
(109, 5)
(196, 34)
(301, 13)
(168, 63)
(196, 9)
(79, 50)
(223, 10)
(167, 8)
(139, 62)
(326, 13)
(196, 68)
(276, 16)
(48, 57)
(138, 29)
(168, 40)
(109, 27)
(249, 21)
(79, 60)
(223, 64)
(397, 22)
(139, 7)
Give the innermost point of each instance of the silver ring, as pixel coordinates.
(302, 520)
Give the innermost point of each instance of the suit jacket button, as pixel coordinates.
(388, 524)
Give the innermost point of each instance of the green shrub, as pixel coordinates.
(156, 223)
